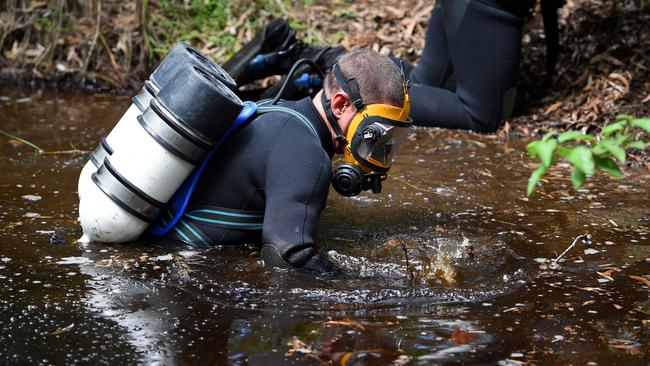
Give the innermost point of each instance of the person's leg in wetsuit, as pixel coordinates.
(480, 44)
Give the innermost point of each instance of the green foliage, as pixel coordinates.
(218, 27)
(586, 153)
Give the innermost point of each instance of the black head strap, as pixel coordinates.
(349, 86)
(327, 106)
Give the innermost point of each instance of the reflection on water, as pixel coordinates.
(447, 265)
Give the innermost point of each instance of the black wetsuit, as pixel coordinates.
(479, 42)
(268, 183)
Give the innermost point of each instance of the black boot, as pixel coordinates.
(305, 81)
(265, 55)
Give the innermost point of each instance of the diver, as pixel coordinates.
(478, 44)
(468, 71)
(270, 179)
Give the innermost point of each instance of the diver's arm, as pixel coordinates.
(297, 181)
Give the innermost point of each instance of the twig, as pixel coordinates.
(413, 185)
(406, 257)
(94, 41)
(33, 146)
(64, 152)
(554, 261)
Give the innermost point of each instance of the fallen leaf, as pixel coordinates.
(460, 336)
(62, 330)
(345, 323)
(641, 279)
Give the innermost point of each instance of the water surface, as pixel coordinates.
(447, 265)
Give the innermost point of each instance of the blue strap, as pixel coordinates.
(178, 203)
(182, 196)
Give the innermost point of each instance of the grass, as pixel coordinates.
(218, 27)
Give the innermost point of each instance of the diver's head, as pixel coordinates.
(365, 100)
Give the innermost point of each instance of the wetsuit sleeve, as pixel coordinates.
(297, 182)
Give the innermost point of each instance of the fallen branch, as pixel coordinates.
(585, 237)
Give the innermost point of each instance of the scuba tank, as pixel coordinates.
(179, 55)
(151, 152)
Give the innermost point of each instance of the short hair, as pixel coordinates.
(378, 77)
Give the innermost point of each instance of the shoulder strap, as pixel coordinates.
(266, 108)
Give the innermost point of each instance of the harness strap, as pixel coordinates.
(265, 108)
(187, 228)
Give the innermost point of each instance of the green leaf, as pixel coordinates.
(535, 176)
(599, 149)
(624, 117)
(577, 177)
(639, 145)
(582, 158)
(532, 148)
(545, 150)
(574, 135)
(608, 165)
(548, 135)
(563, 151)
(643, 123)
(614, 127)
(615, 149)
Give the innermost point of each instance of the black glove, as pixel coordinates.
(319, 265)
(308, 260)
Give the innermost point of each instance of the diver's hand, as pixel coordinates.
(320, 264)
(308, 260)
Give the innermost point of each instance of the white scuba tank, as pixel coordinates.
(148, 155)
(128, 124)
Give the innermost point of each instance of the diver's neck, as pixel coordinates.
(316, 100)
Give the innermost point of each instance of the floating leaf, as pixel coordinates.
(574, 135)
(645, 281)
(535, 176)
(577, 177)
(62, 329)
(582, 158)
(643, 123)
(608, 165)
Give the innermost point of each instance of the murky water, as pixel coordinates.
(446, 266)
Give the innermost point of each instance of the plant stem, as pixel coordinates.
(33, 146)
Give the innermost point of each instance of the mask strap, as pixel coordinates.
(349, 86)
(327, 106)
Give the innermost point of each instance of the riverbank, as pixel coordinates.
(112, 47)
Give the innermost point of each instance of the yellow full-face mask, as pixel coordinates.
(372, 141)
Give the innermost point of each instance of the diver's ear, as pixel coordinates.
(340, 102)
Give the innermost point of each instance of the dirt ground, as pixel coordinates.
(602, 69)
